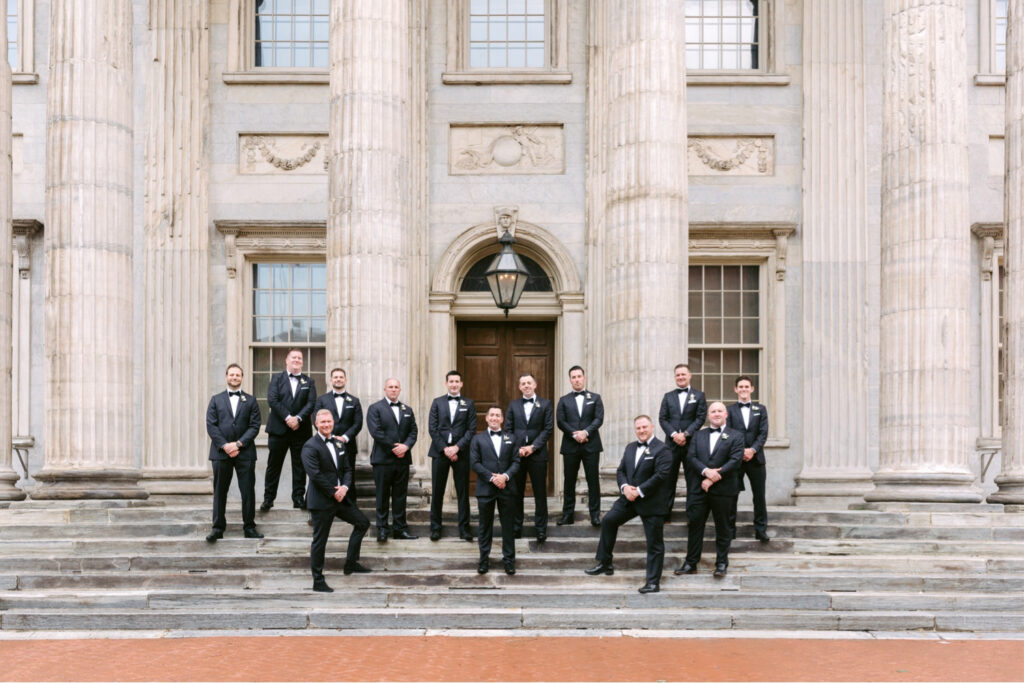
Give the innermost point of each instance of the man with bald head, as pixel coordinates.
(714, 455)
(392, 426)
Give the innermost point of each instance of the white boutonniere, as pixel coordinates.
(241, 397)
(462, 402)
(724, 436)
(589, 396)
(302, 381)
(348, 399)
(754, 410)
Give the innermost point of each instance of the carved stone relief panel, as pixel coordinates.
(745, 155)
(280, 153)
(506, 149)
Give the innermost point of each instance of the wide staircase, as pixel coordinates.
(117, 565)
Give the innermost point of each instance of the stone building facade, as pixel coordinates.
(826, 195)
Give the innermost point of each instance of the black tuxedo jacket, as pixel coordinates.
(282, 404)
(687, 421)
(440, 426)
(322, 472)
(349, 423)
(223, 428)
(533, 432)
(728, 455)
(651, 474)
(385, 432)
(756, 434)
(569, 421)
(486, 462)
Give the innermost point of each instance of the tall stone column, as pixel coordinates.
(644, 202)
(835, 256)
(8, 477)
(925, 407)
(1011, 479)
(369, 231)
(177, 326)
(90, 411)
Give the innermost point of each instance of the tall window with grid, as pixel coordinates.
(998, 28)
(723, 35)
(12, 34)
(725, 328)
(507, 34)
(289, 309)
(292, 33)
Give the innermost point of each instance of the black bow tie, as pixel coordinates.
(454, 398)
(394, 405)
(337, 395)
(744, 405)
(291, 376)
(679, 391)
(716, 429)
(492, 433)
(528, 400)
(578, 393)
(234, 393)
(641, 444)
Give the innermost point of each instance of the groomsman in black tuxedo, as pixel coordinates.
(714, 455)
(348, 419)
(452, 422)
(531, 421)
(330, 480)
(233, 422)
(494, 456)
(643, 478)
(751, 419)
(579, 415)
(683, 411)
(291, 396)
(392, 427)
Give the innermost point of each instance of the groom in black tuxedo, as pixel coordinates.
(494, 456)
(643, 478)
(291, 396)
(451, 424)
(683, 411)
(531, 421)
(233, 422)
(330, 480)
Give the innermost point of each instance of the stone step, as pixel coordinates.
(540, 578)
(506, 618)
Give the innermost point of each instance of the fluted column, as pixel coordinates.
(644, 202)
(924, 401)
(835, 256)
(90, 423)
(8, 477)
(1011, 479)
(369, 233)
(177, 219)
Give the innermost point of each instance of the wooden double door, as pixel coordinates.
(491, 357)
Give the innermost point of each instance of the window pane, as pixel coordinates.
(280, 303)
(722, 34)
(300, 303)
(292, 34)
(260, 359)
(261, 303)
(731, 304)
(318, 275)
(507, 34)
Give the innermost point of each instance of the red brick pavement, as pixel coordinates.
(445, 658)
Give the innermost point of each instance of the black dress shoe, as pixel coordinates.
(214, 536)
(434, 536)
(687, 568)
(252, 533)
(467, 536)
(565, 519)
(265, 506)
(483, 566)
(382, 537)
(404, 535)
(542, 536)
(595, 520)
(763, 537)
(649, 588)
(719, 571)
(510, 568)
(600, 568)
(299, 504)
(356, 568)
(322, 587)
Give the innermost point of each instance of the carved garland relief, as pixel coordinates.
(731, 155)
(297, 154)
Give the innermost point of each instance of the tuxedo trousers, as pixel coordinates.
(698, 506)
(506, 514)
(223, 470)
(323, 519)
(654, 530)
(537, 470)
(392, 482)
(439, 469)
(758, 475)
(278, 446)
(591, 470)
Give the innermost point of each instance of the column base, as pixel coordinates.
(1011, 489)
(178, 482)
(90, 484)
(824, 489)
(8, 488)
(924, 487)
